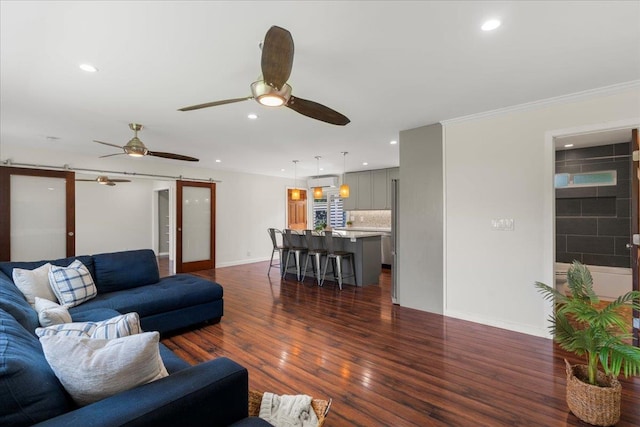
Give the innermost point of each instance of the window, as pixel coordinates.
(328, 211)
(586, 179)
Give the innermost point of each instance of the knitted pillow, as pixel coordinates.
(72, 285)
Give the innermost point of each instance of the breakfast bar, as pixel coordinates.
(365, 246)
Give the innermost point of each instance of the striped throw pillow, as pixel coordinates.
(72, 285)
(116, 327)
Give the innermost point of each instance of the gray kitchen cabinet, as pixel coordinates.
(351, 202)
(363, 195)
(380, 184)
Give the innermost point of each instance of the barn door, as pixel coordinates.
(195, 226)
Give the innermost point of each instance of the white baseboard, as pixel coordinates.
(242, 261)
(510, 326)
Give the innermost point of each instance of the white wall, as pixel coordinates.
(110, 219)
(501, 167)
(246, 204)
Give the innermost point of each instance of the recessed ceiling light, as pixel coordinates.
(321, 169)
(568, 145)
(218, 160)
(88, 68)
(491, 24)
(281, 170)
(365, 164)
(252, 116)
(394, 142)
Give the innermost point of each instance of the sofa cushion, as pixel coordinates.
(119, 326)
(50, 313)
(7, 266)
(170, 293)
(13, 302)
(117, 271)
(29, 390)
(91, 369)
(34, 283)
(72, 285)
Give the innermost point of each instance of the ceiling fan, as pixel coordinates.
(272, 89)
(105, 180)
(136, 148)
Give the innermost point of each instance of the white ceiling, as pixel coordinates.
(388, 66)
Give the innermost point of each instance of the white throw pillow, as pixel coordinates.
(34, 283)
(72, 285)
(51, 313)
(116, 327)
(92, 369)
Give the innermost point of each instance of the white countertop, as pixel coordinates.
(358, 234)
(371, 229)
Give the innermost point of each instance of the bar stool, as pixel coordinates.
(278, 246)
(336, 260)
(315, 250)
(294, 249)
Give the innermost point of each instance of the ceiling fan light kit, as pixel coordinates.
(136, 148)
(272, 90)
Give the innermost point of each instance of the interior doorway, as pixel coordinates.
(297, 210)
(596, 208)
(164, 225)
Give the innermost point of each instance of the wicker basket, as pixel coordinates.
(320, 407)
(597, 405)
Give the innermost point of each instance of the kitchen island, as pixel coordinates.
(366, 247)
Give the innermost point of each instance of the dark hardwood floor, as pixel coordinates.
(383, 365)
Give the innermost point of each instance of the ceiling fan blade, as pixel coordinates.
(111, 155)
(108, 143)
(119, 180)
(213, 104)
(110, 183)
(172, 156)
(277, 57)
(317, 111)
(86, 180)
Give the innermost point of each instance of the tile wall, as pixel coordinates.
(373, 219)
(593, 224)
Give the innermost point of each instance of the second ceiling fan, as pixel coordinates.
(272, 90)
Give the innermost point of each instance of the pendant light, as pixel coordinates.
(317, 191)
(295, 193)
(344, 188)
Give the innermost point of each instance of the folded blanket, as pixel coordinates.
(288, 411)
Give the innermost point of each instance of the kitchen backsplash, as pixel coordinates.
(376, 219)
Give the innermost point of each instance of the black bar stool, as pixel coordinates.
(294, 249)
(336, 257)
(315, 250)
(278, 246)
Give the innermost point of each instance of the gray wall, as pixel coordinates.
(420, 249)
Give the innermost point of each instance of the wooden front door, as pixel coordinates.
(297, 211)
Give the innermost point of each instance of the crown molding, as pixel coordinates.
(591, 93)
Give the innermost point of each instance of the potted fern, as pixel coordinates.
(580, 326)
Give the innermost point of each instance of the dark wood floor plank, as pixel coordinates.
(383, 365)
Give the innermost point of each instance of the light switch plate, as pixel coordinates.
(503, 224)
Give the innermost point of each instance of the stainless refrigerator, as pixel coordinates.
(395, 188)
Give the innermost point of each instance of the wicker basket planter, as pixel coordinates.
(595, 404)
(320, 407)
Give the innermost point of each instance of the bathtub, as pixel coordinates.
(608, 282)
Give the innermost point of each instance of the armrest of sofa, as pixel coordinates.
(214, 393)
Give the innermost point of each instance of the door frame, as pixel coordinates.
(635, 226)
(5, 206)
(182, 267)
(549, 205)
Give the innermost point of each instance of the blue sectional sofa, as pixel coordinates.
(214, 393)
